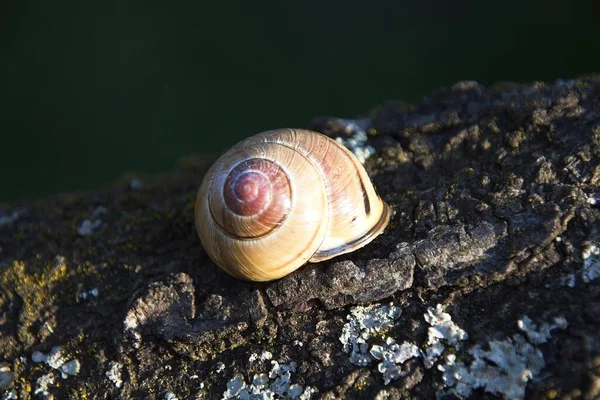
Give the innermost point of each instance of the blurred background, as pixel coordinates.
(92, 90)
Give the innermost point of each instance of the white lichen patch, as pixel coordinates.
(540, 334)
(392, 356)
(590, 267)
(8, 219)
(591, 263)
(56, 360)
(88, 227)
(442, 331)
(264, 356)
(504, 369)
(356, 140)
(277, 384)
(367, 322)
(70, 368)
(86, 294)
(42, 385)
(6, 376)
(170, 396)
(235, 387)
(282, 375)
(364, 322)
(114, 373)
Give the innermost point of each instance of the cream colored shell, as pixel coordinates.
(329, 206)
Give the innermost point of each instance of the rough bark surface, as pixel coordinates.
(497, 217)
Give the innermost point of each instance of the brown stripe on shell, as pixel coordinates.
(366, 200)
(358, 242)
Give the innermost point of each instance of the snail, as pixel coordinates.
(282, 198)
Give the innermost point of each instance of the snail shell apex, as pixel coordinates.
(282, 198)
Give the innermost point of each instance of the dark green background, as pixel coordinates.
(91, 90)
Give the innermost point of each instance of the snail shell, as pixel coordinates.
(284, 197)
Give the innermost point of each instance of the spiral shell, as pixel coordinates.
(284, 197)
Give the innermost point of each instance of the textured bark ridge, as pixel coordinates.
(496, 197)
